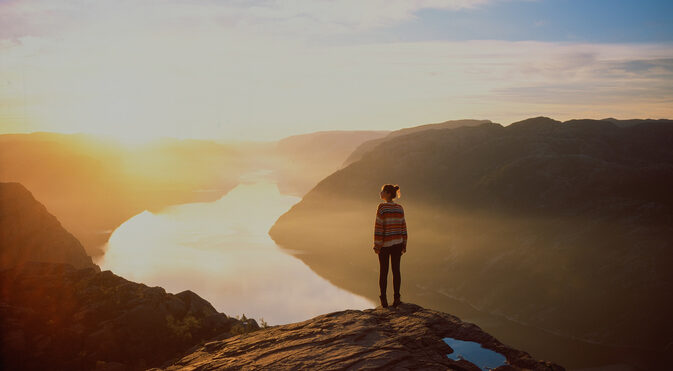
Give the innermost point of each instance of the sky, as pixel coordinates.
(264, 69)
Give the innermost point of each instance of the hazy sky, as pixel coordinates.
(267, 69)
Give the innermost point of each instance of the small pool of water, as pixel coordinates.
(473, 352)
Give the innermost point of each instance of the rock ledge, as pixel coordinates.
(407, 337)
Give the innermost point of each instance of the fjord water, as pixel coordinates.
(222, 251)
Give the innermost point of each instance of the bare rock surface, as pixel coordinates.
(409, 337)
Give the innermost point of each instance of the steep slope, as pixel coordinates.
(563, 226)
(367, 146)
(53, 316)
(406, 338)
(28, 232)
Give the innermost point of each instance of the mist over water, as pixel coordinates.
(222, 251)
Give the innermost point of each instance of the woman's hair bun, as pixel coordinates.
(393, 189)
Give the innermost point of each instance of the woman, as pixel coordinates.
(390, 239)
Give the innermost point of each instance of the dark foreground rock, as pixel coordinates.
(54, 316)
(406, 338)
(28, 232)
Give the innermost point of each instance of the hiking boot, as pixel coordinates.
(396, 301)
(384, 301)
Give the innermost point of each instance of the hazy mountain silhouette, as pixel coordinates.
(564, 226)
(633, 122)
(371, 144)
(302, 160)
(28, 232)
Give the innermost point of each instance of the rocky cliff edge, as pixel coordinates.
(402, 338)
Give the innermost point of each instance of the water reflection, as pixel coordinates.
(473, 352)
(221, 250)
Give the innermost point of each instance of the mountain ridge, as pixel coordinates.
(367, 146)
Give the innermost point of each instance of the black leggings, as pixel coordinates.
(395, 252)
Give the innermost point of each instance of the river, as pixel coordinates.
(221, 250)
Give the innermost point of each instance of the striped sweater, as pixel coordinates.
(390, 227)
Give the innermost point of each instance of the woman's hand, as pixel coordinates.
(377, 249)
(404, 249)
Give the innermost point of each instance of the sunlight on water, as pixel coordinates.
(222, 251)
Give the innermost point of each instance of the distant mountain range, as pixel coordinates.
(566, 226)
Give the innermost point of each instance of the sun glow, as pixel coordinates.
(133, 141)
(195, 72)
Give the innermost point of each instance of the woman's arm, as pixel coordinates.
(378, 230)
(404, 231)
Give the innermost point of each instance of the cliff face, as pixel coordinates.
(405, 338)
(53, 316)
(28, 232)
